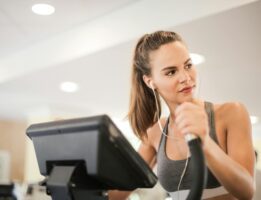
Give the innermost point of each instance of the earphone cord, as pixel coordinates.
(161, 129)
(171, 137)
(183, 173)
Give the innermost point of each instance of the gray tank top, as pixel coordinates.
(169, 171)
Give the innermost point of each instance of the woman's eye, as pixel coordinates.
(188, 66)
(170, 73)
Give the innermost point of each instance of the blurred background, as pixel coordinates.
(71, 59)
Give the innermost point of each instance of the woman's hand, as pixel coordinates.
(192, 118)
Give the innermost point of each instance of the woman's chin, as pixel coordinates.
(187, 99)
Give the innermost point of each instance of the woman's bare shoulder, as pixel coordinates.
(229, 106)
(149, 145)
(230, 110)
(154, 133)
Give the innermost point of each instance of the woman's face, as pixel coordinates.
(172, 73)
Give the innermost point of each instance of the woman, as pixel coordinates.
(163, 68)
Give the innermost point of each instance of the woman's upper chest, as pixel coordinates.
(219, 127)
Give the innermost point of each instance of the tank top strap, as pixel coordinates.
(211, 120)
(163, 138)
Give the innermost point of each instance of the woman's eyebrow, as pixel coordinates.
(189, 59)
(175, 67)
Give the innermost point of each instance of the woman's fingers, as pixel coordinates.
(191, 118)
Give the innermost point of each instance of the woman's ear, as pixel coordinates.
(148, 81)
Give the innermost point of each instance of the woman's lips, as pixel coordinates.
(186, 90)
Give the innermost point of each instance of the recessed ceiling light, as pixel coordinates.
(69, 87)
(197, 58)
(43, 9)
(253, 119)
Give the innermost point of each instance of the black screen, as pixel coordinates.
(108, 157)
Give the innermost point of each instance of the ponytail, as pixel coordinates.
(143, 111)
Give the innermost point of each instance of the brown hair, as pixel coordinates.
(143, 109)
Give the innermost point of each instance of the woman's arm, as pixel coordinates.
(147, 152)
(235, 170)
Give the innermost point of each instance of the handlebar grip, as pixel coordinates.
(198, 167)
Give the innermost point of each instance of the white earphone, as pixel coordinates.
(151, 86)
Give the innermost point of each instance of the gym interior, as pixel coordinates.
(71, 59)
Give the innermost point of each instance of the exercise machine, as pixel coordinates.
(84, 158)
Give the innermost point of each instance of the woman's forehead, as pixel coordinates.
(171, 54)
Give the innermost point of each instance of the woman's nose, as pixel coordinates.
(184, 76)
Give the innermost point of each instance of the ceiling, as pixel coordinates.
(91, 42)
